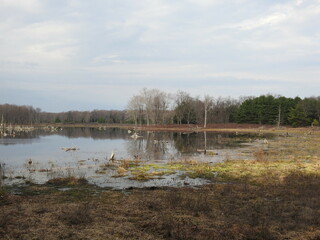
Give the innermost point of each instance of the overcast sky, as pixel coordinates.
(64, 55)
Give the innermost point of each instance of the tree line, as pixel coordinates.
(153, 106)
(157, 107)
(13, 114)
(268, 109)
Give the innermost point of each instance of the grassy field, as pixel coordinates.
(274, 196)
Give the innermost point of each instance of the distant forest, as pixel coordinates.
(152, 106)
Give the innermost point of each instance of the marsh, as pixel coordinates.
(41, 155)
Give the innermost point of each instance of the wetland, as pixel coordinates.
(250, 184)
(155, 157)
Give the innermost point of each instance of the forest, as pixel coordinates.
(152, 106)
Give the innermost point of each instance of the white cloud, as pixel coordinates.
(270, 20)
(152, 72)
(204, 3)
(107, 58)
(52, 51)
(25, 5)
(147, 21)
(44, 42)
(278, 15)
(299, 2)
(45, 30)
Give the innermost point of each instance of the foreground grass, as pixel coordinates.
(290, 210)
(275, 196)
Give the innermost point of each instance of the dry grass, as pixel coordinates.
(121, 171)
(286, 210)
(67, 181)
(260, 155)
(77, 214)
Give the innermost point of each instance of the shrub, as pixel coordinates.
(315, 123)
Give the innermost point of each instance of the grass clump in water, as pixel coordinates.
(149, 171)
(68, 181)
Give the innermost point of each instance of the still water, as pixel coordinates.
(40, 155)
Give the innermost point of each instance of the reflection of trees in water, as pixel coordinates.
(190, 142)
(186, 142)
(153, 145)
(7, 141)
(21, 138)
(135, 147)
(95, 133)
(220, 140)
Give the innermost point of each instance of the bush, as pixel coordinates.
(315, 123)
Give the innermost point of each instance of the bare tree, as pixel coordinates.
(136, 108)
(160, 103)
(208, 104)
(147, 99)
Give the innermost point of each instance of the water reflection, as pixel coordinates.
(151, 145)
(46, 151)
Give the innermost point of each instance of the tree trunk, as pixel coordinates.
(279, 116)
(205, 116)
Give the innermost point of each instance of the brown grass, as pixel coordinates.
(287, 210)
(76, 214)
(260, 155)
(67, 181)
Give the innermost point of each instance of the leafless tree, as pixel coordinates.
(208, 104)
(136, 108)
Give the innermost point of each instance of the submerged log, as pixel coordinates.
(70, 149)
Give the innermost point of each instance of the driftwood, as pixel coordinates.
(67, 149)
(135, 136)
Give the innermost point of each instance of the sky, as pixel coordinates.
(62, 55)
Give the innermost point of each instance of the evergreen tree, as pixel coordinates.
(297, 117)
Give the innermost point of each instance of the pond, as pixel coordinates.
(40, 155)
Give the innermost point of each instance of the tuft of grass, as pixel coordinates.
(211, 153)
(67, 181)
(121, 171)
(260, 155)
(149, 171)
(126, 164)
